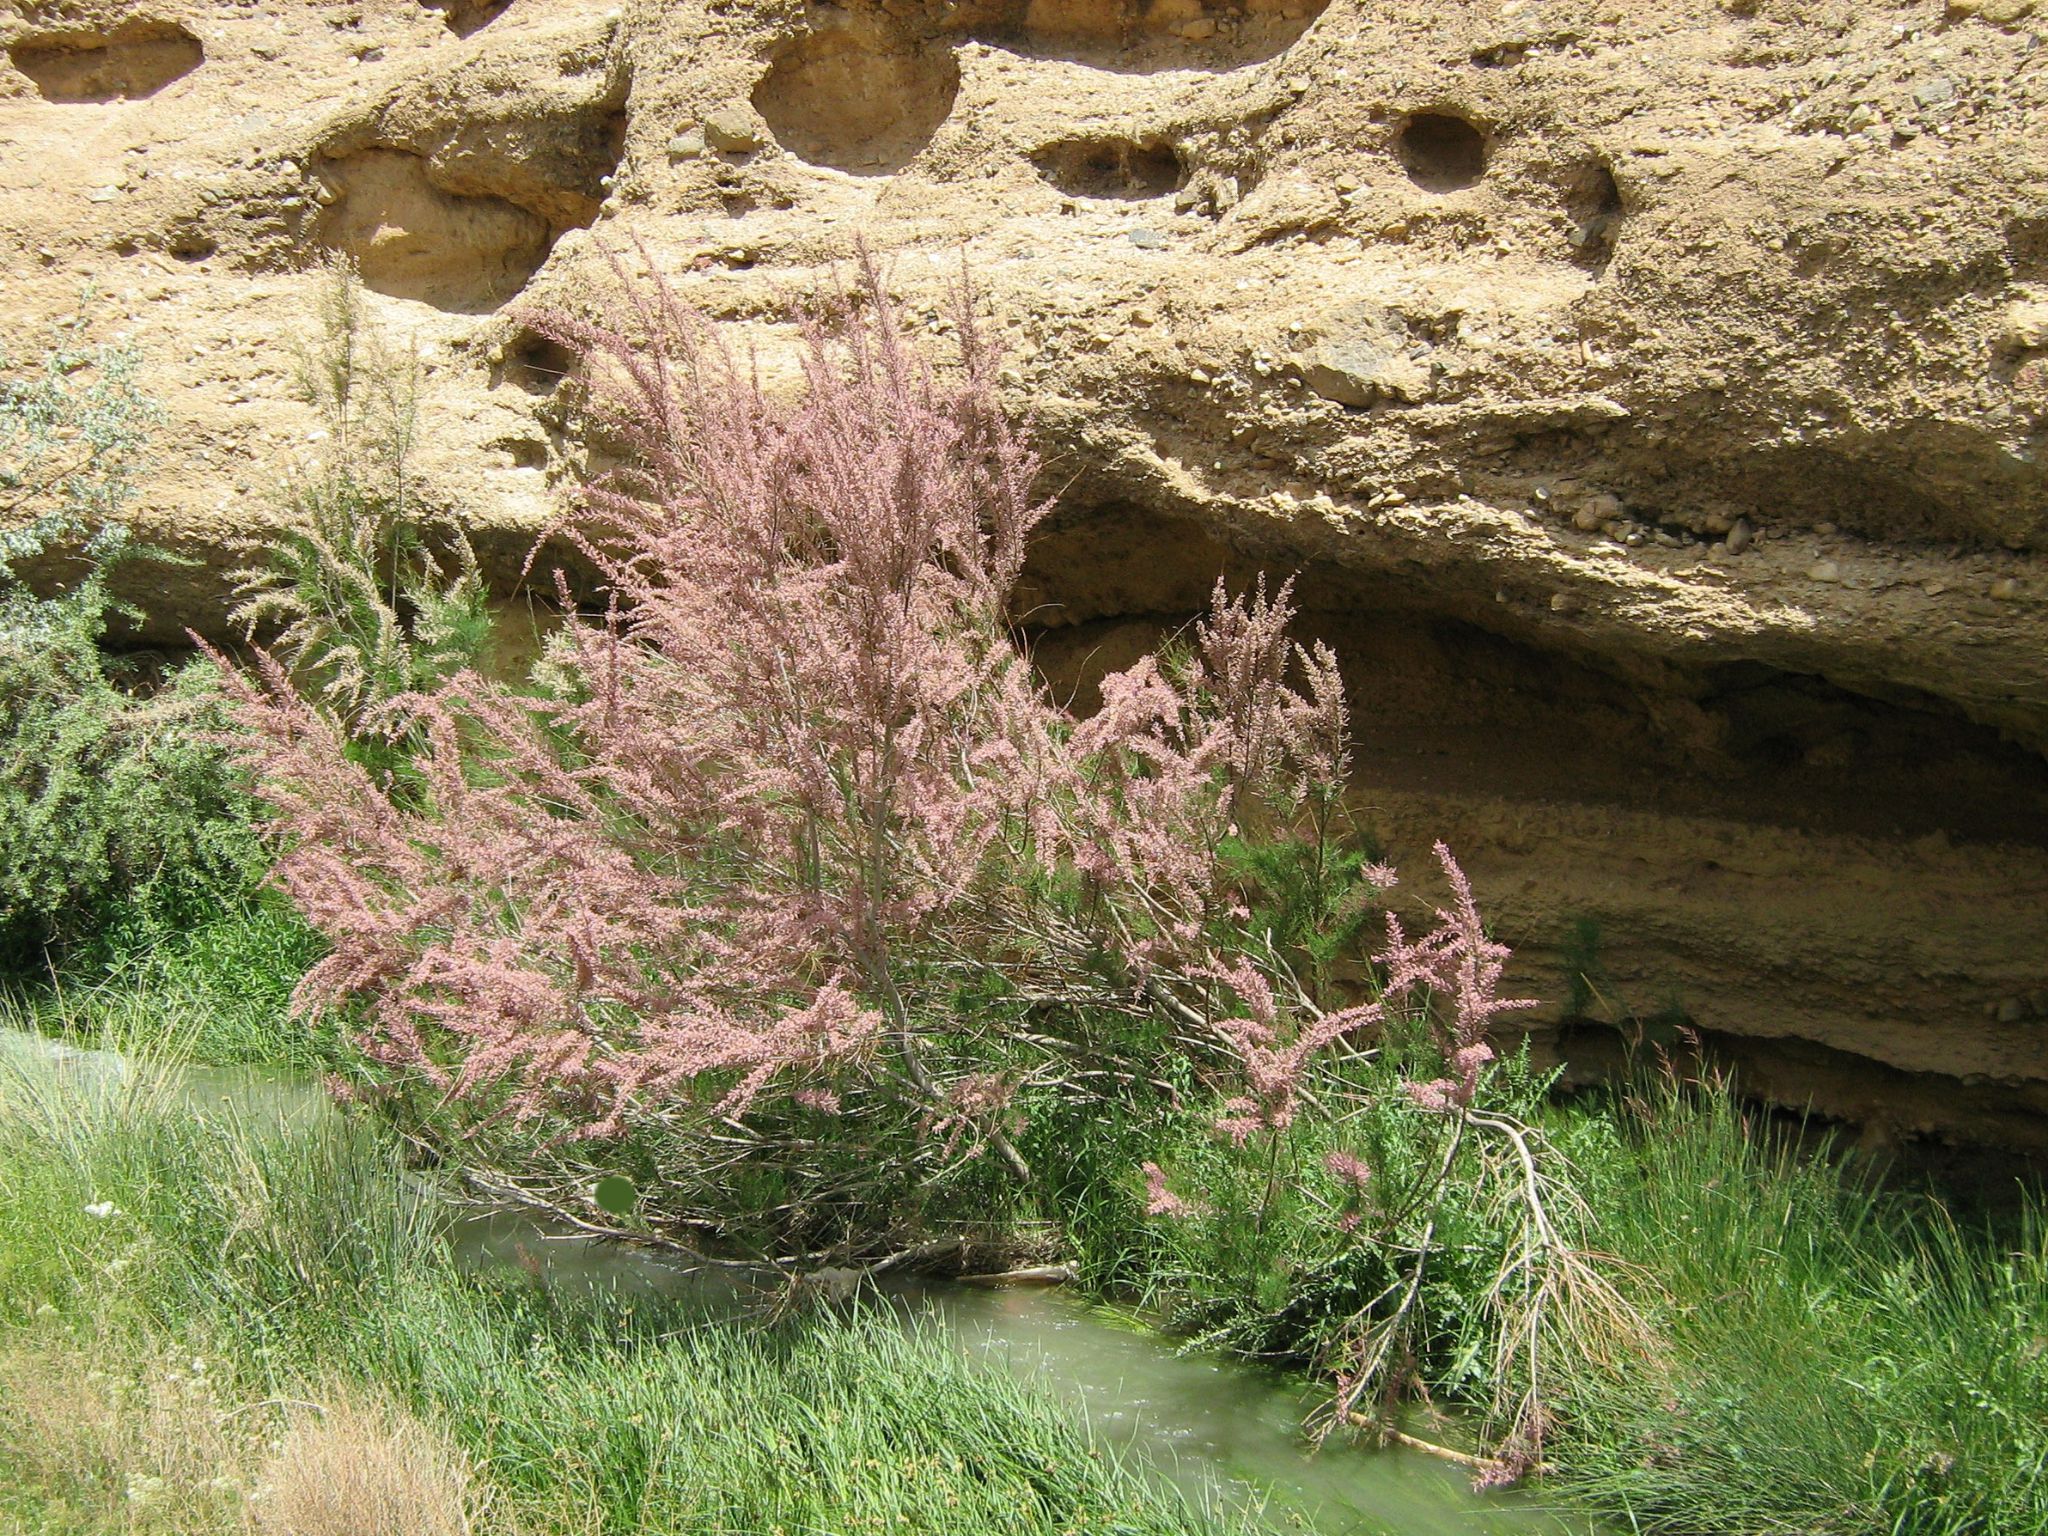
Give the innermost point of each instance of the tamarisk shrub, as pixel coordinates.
(792, 893)
(1419, 1228)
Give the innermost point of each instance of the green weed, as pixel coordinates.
(1827, 1359)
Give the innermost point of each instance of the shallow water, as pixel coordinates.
(1200, 1416)
(1198, 1419)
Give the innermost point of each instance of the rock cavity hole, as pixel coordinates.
(464, 229)
(192, 245)
(413, 240)
(1593, 204)
(466, 16)
(1441, 151)
(857, 93)
(536, 363)
(1140, 36)
(136, 59)
(1112, 168)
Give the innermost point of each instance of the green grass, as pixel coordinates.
(1826, 1359)
(214, 989)
(257, 1276)
(1820, 1353)
(1822, 1357)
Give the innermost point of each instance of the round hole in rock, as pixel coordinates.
(413, 239)
(857, 95)
(537, 363)
(1118, 168)
(1441, 151)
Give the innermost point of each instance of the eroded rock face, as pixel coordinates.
(134, 59)
(412, 240)
(1650, 397)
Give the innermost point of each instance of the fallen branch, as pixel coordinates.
(842, 1282)
(1037, 1274)
(1431, 1448)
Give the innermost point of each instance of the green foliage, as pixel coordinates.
(73, 430)
(368, 592)
(1309, 897)
(115, 804)
(1826, 1359)
(1585, 975)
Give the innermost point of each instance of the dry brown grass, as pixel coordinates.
(96, 1442)
(357, 1468)
(121, 1448)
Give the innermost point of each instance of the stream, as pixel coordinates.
(1196, 1419)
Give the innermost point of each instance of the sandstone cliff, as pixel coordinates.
(1650, 396)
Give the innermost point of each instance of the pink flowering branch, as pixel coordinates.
(782, 759)
(1457, 962)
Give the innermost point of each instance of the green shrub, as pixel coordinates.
(73, 428)
(114, 796)
(112, 801)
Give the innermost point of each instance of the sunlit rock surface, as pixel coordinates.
(1650, 397)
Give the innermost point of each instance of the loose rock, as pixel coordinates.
(734, 131)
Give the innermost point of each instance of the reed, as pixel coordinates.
(1829, 1356)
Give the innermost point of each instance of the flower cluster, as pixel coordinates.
(1458, 962)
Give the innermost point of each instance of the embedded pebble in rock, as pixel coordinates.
(1824, 570)
(1741, 536)
(733, 131)
(1599, 509)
